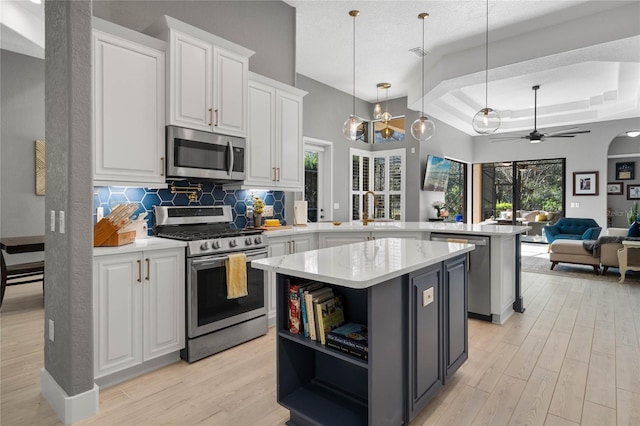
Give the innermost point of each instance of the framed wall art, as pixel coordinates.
(585, 183)
(40, 167)
(615, 188)
(626, 170)
(633, 192)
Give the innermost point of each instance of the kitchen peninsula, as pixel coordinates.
(411, 295)
(500, 265)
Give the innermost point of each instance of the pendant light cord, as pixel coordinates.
(423, 55)
(486, 63)
(354, 65)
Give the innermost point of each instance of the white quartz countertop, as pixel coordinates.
(140, 244)
(364, 264)
(448, 227)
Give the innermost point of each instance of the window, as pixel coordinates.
(383, 173)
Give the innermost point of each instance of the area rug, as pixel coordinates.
(536, 259)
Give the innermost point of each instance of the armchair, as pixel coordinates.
(572, 228)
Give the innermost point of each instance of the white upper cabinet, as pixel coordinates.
(274, 137)
(191, 81)
(128, 107)
(207, 79)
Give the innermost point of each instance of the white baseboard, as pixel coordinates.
(70, 409)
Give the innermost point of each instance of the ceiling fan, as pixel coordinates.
(535, 136)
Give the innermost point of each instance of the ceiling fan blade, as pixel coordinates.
(508, 138)
(565, 135)
(571, 130)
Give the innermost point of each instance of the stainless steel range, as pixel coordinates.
(215, 323)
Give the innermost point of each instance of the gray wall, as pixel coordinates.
(325, 109)
(21, 123)
(624, 149)
(586, 152)
(266, 27)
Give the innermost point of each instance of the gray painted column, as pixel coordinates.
(69, 256)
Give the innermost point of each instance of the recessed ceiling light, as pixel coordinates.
(633, 133)
(36, 1)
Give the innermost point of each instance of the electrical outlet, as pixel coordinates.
(99, 214)
(51, 330)
(427, 297)
(267, 211)
(52, 221)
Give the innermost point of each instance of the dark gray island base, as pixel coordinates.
(417, 339)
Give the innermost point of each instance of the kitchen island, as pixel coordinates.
(501, 278)
(410, 294)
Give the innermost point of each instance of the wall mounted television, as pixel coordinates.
(436, 175)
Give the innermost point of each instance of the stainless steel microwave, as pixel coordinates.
(203, 155)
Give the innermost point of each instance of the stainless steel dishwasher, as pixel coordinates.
(479, 303)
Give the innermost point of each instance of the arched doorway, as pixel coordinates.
(623, 177)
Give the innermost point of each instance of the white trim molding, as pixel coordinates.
(70, 409)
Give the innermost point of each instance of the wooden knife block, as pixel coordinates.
(107, 235)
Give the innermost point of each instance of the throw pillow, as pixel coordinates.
(634, 230)
(541, 217)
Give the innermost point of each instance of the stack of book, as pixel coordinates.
(314, 310)
(350, 338)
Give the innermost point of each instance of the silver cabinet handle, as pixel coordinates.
(148, 269)
(139, 270)
(216, 125)
(210, 116)
(162, 169)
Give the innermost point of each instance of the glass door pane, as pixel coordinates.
(311, 184)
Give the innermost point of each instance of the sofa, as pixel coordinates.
(537, 219)
(609, 245)
(572, 228)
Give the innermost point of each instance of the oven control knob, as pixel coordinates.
(232, 243)
(258, 240)
(248, 241)
(215, 244)
(204, 245)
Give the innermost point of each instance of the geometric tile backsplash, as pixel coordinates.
(108, 197)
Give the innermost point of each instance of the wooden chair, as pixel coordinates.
(21, 273)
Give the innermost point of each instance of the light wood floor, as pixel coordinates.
(572, 358)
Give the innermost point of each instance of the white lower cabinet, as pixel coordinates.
(333, 239)
(138, 308)
(279, 246)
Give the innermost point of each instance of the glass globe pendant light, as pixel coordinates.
(486, 121)
(354, 123)
(423, 129)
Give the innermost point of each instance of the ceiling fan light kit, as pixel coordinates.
(353, 125)
(423, 129)
(487, 120)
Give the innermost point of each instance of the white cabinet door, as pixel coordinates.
(190, 82)
(164, 305)
(261, 135)
(304, 242)
(128, 110)
(138, 308)
(117, 312)
(277, 247)
(230, 76)
(274, 135)
(289, 137)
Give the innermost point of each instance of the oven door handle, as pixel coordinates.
(231, 159)
(219, 261)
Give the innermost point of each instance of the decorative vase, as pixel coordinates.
(257, 219)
